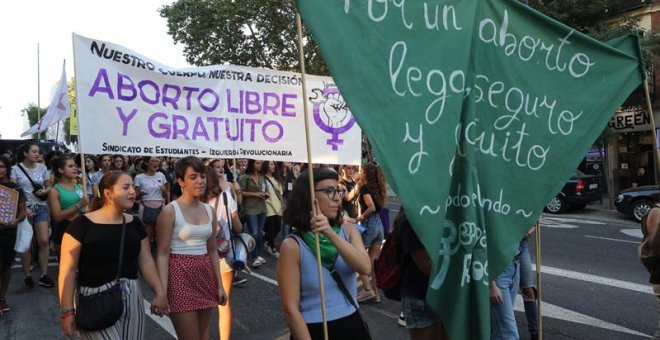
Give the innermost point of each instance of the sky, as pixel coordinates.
(134, 24)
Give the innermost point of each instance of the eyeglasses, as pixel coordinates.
(332, 192)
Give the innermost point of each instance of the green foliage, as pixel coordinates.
(604, 20)
(33, 113)
(253, 33)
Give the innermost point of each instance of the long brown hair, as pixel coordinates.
(212, 184)
(107, 182)
(375, 182)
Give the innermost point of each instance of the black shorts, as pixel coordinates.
(7, 243)
(58, 231)
(348, 327)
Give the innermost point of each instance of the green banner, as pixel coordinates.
(478, 112)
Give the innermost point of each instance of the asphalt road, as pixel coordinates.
(593, 287)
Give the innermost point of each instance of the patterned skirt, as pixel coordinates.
(131, 323)
(191, 284)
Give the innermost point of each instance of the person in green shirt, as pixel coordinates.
(253, 187)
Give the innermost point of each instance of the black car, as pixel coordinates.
(580, 190)
(636, 202)
(45, 146)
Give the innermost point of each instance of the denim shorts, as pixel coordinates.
(417, 313)
(40, 213)
(374, 234)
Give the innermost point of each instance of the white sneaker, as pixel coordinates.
(261, 260)
(256, 263)
(268, 249)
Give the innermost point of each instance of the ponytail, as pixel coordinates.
(107, 182)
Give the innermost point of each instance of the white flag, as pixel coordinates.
(59, 108)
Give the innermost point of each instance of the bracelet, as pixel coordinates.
(66, 315)
(68, 310)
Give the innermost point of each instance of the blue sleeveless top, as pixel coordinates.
(337, 306)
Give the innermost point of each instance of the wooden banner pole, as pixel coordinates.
(649, 106)
(301, 54)
(82, 155)
(538, 278)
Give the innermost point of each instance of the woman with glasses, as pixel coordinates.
(342, 254)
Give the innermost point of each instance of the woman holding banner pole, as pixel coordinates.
(342, 253)
(67, 200)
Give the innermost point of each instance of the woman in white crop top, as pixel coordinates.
(187, 258)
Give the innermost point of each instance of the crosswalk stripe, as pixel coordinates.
(559, 313)
(595, 279)
(164, 322)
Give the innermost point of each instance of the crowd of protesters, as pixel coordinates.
(174, 212)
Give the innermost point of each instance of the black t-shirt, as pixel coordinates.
(364, 190)
(349, 206)
(642, 180)
(99, 255)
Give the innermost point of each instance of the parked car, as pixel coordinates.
(636, 202)
(45, 145)
(580, 190)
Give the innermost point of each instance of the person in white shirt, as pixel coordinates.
(34, 179)
(219, 197)
(153, 190)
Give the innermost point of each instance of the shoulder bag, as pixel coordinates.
(35, 187)
(343, 289)
(102, 310)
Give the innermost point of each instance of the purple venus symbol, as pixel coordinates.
(331, 114)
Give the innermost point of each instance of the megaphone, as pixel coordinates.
(241, 245)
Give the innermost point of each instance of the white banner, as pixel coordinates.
(130, 104)
(58, 110)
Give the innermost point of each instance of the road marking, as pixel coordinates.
(549, 310)
(611, 239)
(261, 277)
(595, 279)
(556, 312)
(569, 220)
(633, 232)
(164, 322)
(565, 222)
(21, 266)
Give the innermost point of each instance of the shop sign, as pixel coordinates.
(630, 121)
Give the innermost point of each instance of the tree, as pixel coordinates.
(33, 113)
(604, 20)
(253, 33)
